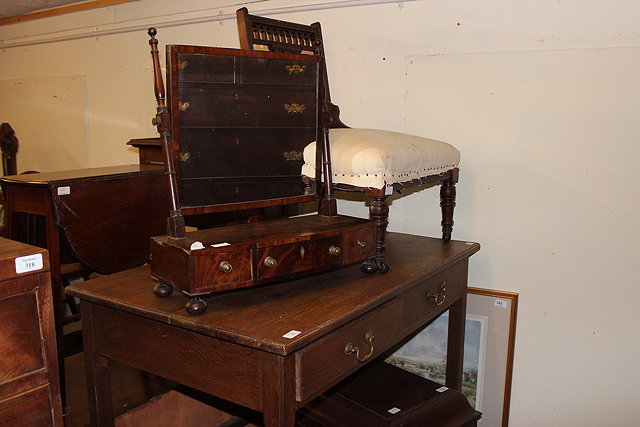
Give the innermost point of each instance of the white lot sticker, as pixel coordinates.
(196, 245)
(394, 410)
(291, 334)
(220, 245)
(441, 389)
(29, 263)
(502, 303)
(64, 191)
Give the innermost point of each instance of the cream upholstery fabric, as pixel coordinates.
(375, 158)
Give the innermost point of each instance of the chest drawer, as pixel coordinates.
(282, 260)
(330, 359)
(241, 106)
(226, 268)
(194, 67)
(360, 243)
(277, 71)
(434, 294)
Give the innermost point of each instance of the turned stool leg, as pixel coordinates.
(379, 212)
(447, 203)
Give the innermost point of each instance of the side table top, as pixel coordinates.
(259, 317)
(47, 178)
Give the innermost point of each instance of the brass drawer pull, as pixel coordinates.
(295, 70)
(361, 243)
(334, 250)
(443, 291)
(294, 108)
(270, 262)
(226, 267)
(350, 348)
(183, 106)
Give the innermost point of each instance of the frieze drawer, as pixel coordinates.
(345, 350)
(434, 294)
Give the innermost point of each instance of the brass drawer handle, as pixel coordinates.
(350, 348)
(334, 250)
(226, 267)
(361, 243)
(183, 106)
(443, 291)
(295, 70)
(294, 108)
(270, 262)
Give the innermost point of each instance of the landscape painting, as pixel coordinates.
(425, 355)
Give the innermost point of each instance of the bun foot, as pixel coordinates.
(369, 266)
(162, 289)
(195, 306)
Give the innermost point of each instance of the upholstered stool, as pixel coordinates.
(379, 162)
(375, 162)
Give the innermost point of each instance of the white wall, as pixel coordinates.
(541, 98)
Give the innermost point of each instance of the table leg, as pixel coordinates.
(53, 246)
(279, 396)
(97, 370)
(455, 343)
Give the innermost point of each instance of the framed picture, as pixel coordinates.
(488, 352)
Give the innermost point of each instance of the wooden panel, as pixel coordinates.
(359, 244)
(121, 213)
(290, 259)
(215, 152)
(21, 343)
(325, 254)
(27, 199)
(229, 371)
(32, 408)
(201, 68)
(210, 270)
(372, 392)
(211, 191)
(324, 362)
(239, 107)
(277, 71)
(420, 306)
(29, 386)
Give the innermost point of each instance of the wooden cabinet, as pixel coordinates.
(29, 384)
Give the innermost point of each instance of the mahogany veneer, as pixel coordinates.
(274, 348)
(29, 382)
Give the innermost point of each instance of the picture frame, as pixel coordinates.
(488, 352)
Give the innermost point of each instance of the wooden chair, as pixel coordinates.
(372, 161)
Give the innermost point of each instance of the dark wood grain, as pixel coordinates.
(91, 220)
(223, 96)
(273, 250)
(275, 347)
(259, 316)
(368, 396)
(29, 381)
